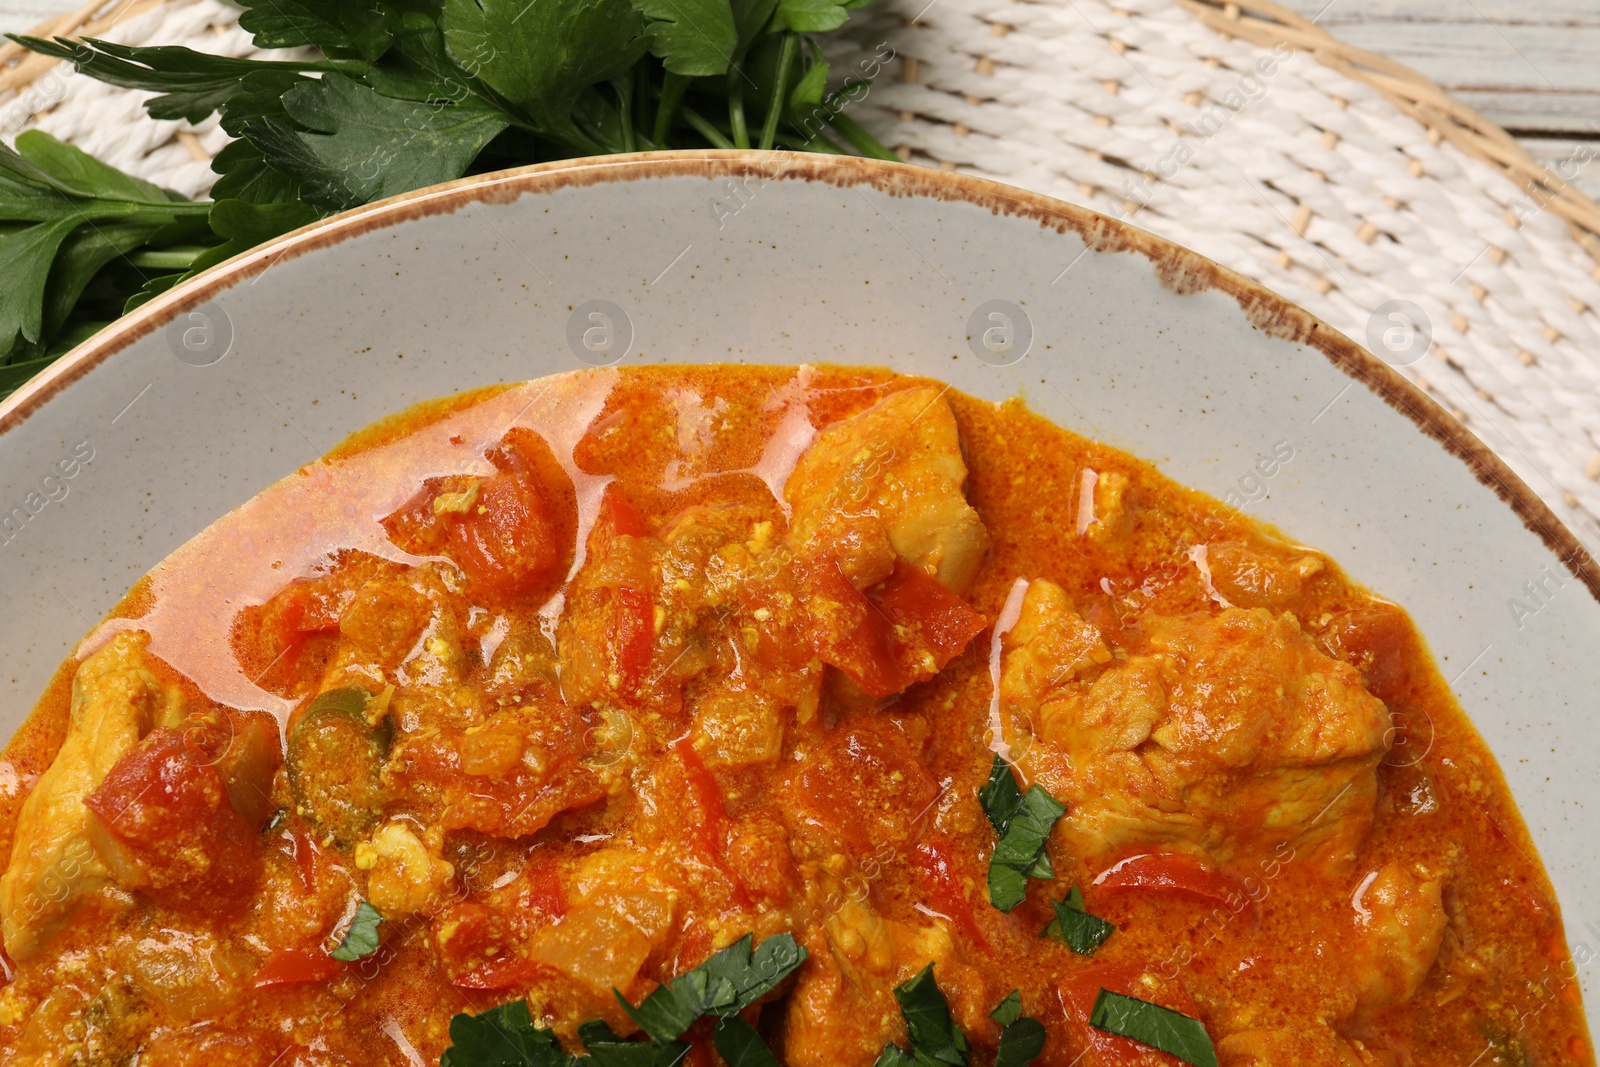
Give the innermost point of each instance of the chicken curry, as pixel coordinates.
(808, 716)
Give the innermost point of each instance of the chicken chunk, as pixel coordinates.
(843, 1009)
(1049, 645)
(891, 477)
(1231, 736)
(176, 818)
(1400, 921)
(405, 875)
(115, 702)
(737, 728)
(1107, 506)
(1314, 1044)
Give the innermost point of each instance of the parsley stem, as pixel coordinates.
(593, 141)
(355, 68)
(736, 120)
(860, 139)
(115, 208)
(624, 87)
(641, 106)
(703, 127)
(672, 89)
(822, 145)
(180, 258)
(780, 90)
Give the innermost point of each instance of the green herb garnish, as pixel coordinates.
(1000, 795)
(740, 1045)
(405, 95)
(503, 1036)
(1008, 1010)
(1023, 821)
(1504, 1046)
(935, 1039)
(1021, 1038)
(606, 1049)
(724, 985)
(1151, 1024)
(361, 940)
(1076, 928)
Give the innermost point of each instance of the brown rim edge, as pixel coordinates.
(1178, 268)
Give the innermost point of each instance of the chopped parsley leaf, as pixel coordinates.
(1151, 1024)
(1075, 927)
(1024, 822)
(361, 939)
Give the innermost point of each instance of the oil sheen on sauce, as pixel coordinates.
(198, 593)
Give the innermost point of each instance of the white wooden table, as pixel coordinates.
(1533, 66)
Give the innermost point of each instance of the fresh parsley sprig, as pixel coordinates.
(64, 216)
(192, 85)
(1023, 821)
(404, 94)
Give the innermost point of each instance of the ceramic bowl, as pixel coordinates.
(186, 408)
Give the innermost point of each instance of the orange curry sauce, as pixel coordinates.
(648, 660)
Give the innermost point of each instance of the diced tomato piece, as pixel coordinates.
(1172, 872)
(480, 942)
(541, 893)
(513, 541)
(1100, 1049)
(292, 966)
(413, 525)
(163, 822)
(513, 800)
(945, 890)
(306, 852)
(514, 538)
(307, 608)
(503, 972)
(630, 614)
(940, 623)
(633, 637)
(707, 810)
(886, 639)
(700, 1046)
(705, 813)
(618, 517)
(301, 610)
(849, 634)
(867, 786)
(474, 948)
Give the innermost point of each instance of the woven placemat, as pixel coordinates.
(1346, 182)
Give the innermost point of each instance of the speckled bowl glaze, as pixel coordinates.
(186, 408)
